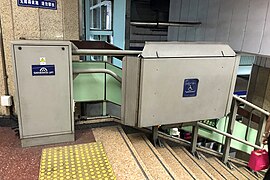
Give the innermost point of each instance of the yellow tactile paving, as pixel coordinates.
(80, 162)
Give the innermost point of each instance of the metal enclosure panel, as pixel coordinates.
(130, 90)
(212, 20)
(202, 17)
(44, 103)
(164, 50)
(238, 24)
(224, 20)
(161, 95)
(233, 82)
(183, 17)
(192, 17)
(89, 87)
(174, 16)
(266, 35)
(113, 87)
(255, 26)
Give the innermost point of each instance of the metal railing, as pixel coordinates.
(89, 71)
(105, 52)
(231, 122)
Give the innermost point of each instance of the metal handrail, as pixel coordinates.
(228, 135)
(251, 105)
(106, 71)
(105, 52)
(232, 117)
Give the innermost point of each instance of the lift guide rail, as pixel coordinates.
(173, 82)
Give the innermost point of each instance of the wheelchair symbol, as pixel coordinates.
(190, 88)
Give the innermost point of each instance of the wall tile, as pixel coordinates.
(26, 22)
(260, 86)
(71, 19)
(252, 82)
(33, 23)
(51, 22)
(2, 110)
(266, 103)
(8, 36)
(267, 64)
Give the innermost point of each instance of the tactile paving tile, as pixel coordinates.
(82, 162)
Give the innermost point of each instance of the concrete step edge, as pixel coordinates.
(124, 162)
(156, 153)
(225, 168)
(237, 169)
(183, 164)
(200, 170)
(124, 135)
(249, 172)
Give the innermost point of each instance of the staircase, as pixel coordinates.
(133, 156)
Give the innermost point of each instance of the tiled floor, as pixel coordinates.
(17, 163)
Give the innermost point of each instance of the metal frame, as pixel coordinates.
(106, 71)
(85, 71)
(105, 52)
(232, 116)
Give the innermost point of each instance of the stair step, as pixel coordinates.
(124, 159)
(237, 173)
(222, 168)
(260, 176)
(248, 175)
(244, 170)
(175, 163)
(210, 169)
(199, 171)
(156, 165)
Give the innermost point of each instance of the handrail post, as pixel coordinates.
(195, 130)
(230, 128)
(260, 131)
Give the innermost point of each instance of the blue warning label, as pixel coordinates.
(43, 70)
(190, 87)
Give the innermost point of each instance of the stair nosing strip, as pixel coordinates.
(259, 174)
(249, 172)
(179, 162)
(224, 167)
(138, 163)
(212, 166)
(158, 158)
(198, 164)
(238, 170)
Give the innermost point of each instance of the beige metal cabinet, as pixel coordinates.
(44, 99)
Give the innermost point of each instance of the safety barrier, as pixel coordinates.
(232, 118)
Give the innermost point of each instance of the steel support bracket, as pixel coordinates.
(230, 128)
(195, 131)
(229, 165)
(155, 139)
(197, 155)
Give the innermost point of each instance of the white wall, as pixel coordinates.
(243, 24)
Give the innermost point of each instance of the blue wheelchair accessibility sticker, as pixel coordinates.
(190, 87)
(43, 70)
